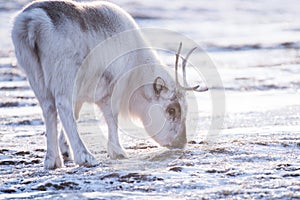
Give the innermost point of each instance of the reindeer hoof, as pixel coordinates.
(53, 162)
(66, 153)
(117, 154)
(65, 148)
(85, 158)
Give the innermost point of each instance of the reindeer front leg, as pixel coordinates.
(115, 151)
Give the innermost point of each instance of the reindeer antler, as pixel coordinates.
(184, 61)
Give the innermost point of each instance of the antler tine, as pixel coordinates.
(184, 61)
(198, 89)
(176, 65)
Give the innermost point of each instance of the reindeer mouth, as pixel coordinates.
(180, 141)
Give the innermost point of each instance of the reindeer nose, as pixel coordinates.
(180, 141)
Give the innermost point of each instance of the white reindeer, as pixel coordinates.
(53, 38)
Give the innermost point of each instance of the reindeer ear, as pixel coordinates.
(158, 85)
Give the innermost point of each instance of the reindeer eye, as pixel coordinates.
(171, 111)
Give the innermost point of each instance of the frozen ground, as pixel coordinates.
(256, 48)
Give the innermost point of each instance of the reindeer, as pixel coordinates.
(53, 38)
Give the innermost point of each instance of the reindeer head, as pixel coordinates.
(163, 107)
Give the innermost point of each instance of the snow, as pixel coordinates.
(255, 47)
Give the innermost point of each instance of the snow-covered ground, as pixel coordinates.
(255, 46)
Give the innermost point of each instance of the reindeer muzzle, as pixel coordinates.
(180, 141)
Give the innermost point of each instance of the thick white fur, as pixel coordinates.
(52, 56)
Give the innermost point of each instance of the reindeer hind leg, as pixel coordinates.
(81, 155)
(64, 144)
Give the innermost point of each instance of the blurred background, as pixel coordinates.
(254, 44)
